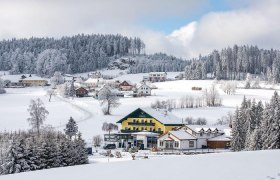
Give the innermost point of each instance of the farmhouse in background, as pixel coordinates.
(81, 92)
(33, 81)
(143, 90)
(125, 86)
(157, 76)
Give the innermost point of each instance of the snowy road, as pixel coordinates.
(88, 114)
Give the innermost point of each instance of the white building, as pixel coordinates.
(177, 140)
(203, 133)
(196, 137)
(157, 76)
(143, 90)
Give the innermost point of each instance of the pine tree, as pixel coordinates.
(256, 140)
(72, 91)
(271, 124)
(238, 134)
(16, 160)
(80, 147)
(71, 128)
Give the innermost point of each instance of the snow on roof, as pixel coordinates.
(198, 128)
(145, 133)
(223, 137)
(33, 78)
(182, 135)
(157, 73)
(143, 84)
(165, 118)
(168, 139)
(94, 80)
(17, 77)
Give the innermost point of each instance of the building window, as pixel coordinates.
(142, 128)
(142, 121)
(134, 128)
(134, 121)
(201, 134)
(151, 121)
(151, 129)
(191, 144)
(160, 143)
(176, 144)
(159, 129)
(208, 134)
(193, 133)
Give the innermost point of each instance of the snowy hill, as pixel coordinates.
(258, 165)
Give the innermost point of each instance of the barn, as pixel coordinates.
(219, 142)
(81, 92)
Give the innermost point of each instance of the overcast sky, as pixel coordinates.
(184, 28)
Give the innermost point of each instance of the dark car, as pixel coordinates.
(109, 146)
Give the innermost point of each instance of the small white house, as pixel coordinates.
(177, 140)
(143, 90)
(204, 133)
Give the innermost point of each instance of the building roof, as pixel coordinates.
(182, 135)
(144, 84)
(223, 137)
(199, 128)
(18, 77)
(34, 78)
(94, 80)
(81, 88)
(145, 133)
(166, 119)
(157, 73)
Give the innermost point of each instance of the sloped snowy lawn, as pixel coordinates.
(14, 105)
(261, 165)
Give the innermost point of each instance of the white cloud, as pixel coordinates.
(26, 18)
(257, 24)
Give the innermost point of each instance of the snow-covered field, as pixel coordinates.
(88, 114)
(258, 165)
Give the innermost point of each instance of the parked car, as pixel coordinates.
(109, 146)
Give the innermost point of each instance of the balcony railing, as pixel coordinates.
(142, 123)
(133, 131)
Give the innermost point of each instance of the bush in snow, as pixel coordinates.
(2, 85)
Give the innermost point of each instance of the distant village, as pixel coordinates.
(92, 85)
(144, 128)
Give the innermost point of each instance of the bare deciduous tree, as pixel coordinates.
(97, 140)
(108, 99)
(108, 127)
(212, 96)
(38, 114)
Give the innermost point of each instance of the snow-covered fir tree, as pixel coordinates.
(71, 129)
(72, 91)
(2, 86)
(271, 123)
(79, 53)
(234, 63)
